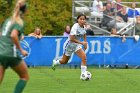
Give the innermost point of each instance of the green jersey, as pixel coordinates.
(7, 47)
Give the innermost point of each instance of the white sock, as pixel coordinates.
(83, 69)
(57, 62)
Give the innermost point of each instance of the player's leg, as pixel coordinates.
(2, 71)
(64, 59)
(56, 62)
(21, 70)
(66, 53)
(82, 55)
(3, 66)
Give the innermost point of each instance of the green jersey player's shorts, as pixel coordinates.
(6, 61)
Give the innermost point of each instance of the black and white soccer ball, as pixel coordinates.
(86, 76)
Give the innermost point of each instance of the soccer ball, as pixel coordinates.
(85, 76)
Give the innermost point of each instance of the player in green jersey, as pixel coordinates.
(11, 32)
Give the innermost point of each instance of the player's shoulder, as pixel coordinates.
(76, 25)
(17, 26)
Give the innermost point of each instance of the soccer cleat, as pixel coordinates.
(54, 64)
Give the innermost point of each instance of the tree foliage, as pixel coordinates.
(50, 15)
(5, 9)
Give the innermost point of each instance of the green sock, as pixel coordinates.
(20, 86)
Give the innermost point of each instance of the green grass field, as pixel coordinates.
(44, 80)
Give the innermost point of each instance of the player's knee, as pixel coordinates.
(25, 77)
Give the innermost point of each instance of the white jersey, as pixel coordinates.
(78, 31)
(70, 46)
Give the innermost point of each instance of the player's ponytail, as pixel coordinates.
(19, 8)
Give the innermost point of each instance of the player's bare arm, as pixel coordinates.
(14, 37)
(73, 39)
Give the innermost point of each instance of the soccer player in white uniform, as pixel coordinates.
(73, 44)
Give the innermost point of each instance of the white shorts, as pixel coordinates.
(69, 48)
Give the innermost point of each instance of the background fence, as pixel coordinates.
(101, 51)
